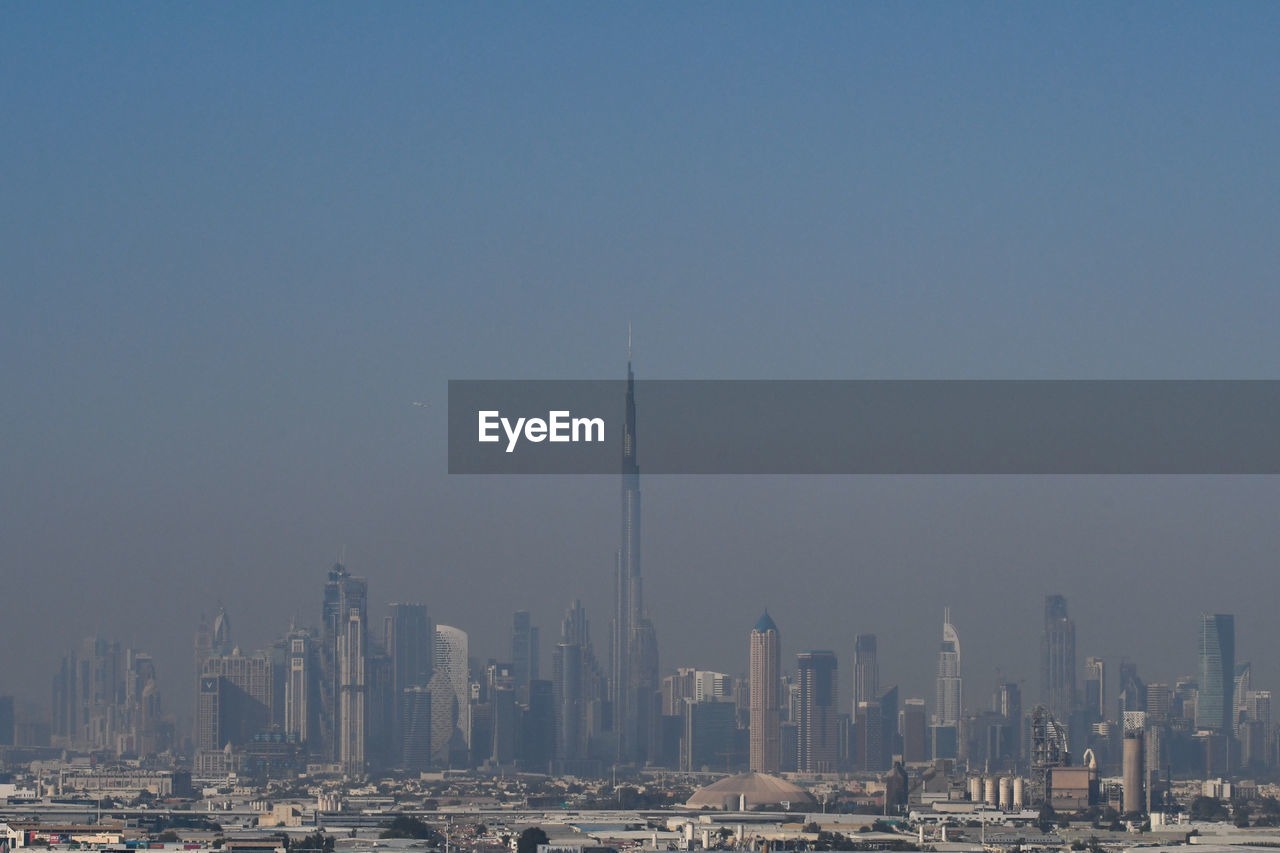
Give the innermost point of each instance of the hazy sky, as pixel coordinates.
(237, 240)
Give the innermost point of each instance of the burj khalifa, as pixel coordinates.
(634, 646)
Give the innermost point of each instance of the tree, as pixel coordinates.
(530, 839)
(1208, 808)
(168, 836)
(1047, 817)
(405, 826)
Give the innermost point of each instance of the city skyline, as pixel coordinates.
(236, 697)
(242, 270)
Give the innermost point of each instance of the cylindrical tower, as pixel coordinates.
(1019, 793)
(1133, 767)
(1006, 792)
(975, 789)
(991, 797)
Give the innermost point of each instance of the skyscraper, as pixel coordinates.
(450, 699)
(415, 729)
(818, 726)
(1241, 688)
(1095, 696)
(343, 652)
(1215, 703)
(866, 674)
(89, 696)
(911, 725)
(633, 647)
(524, 652)
(234, 701)
(950, 696)
(1133, 692)
(409, 639)
(765, 722)
(299, 702)
(1058, 659)
(576, 685)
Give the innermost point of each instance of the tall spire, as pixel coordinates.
(633, 668)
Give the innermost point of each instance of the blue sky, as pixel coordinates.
(237, 240)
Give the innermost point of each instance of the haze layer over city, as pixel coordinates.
(242, 260)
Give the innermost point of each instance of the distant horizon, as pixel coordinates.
(246, 249)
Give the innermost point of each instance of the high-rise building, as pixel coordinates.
(1058, 659)
(101, 697)
(408, 639)
(869, 726)
(866, 673)
(711, 686)
(1241, 689)
(950, 694)
(524, 651)
(299, 690)
(890, 741)
(1215, 702)
(1133, 692)
(708, 736)
(633, 671)
(538, 727)
(212, 638)
(450, 699)
(576, 685)
(235, 700)
(352, 658)
(1159, 700)
(817, 748)
(344, 648)
(415, 729)
(765, 720)
(912, 721)
(1095, 698)
(676, 688)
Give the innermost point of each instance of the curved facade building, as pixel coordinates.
(950, 698)
(450, 697)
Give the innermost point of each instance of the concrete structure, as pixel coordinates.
(912, 721)
(235, 700)
(1134, 769)
(450, 689)
(817, 728)
(765, 718)
(866, 672)
(752, 790)
(1215, 702)
(299, 688)
(633, 671)
(1058, 659)
(1073, 788)
(343, 656)
(950, 693)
